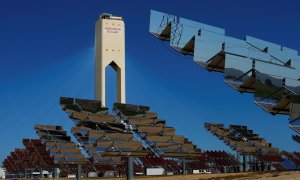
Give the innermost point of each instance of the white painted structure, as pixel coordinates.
(155, 171)
(92, 174)
(110, 50)
(2, 173)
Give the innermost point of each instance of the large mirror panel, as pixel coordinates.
(160, 24)
(270, 92)
(239, 73)
(184, 32)
(209, 51)
(293, 88)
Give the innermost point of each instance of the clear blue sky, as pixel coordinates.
(46, 51)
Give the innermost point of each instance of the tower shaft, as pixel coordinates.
(110, 51)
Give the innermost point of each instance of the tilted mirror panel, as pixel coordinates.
(239, 73)
(208, 50)
(269, 88)
(294, 89)
(235, 46)
(160, 24)
(261, 44)
(184, 31)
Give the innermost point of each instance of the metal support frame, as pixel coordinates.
(176, 32)
(130, 171)
(244, 163)
(78, 173)
(55, 173)
(272, 57)
(41, 173)
(158, 152)
(31, 173)
(166, 20)
(183, 167)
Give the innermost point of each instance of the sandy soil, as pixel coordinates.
(284, 175)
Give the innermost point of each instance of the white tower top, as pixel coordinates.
(110, 50)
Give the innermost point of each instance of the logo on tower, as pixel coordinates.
(112, 30)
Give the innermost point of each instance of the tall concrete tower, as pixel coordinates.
(110, 50)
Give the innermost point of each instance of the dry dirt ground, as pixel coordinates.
(290, 175)
(285, 175)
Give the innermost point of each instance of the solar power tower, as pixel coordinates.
(269, 71)
(110, 51)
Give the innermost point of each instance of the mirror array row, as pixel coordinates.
(270, 71)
